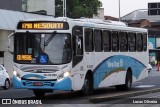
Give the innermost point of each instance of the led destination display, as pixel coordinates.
(43, 25)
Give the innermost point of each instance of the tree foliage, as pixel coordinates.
(78, 8)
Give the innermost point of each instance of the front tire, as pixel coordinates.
(88, 87)
(128, 82)
(6, 84)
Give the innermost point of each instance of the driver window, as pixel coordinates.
(78, 45)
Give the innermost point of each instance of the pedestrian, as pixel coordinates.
(158, 61)
(155, 62)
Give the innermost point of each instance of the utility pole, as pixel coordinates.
(119, 10)
(64, 8)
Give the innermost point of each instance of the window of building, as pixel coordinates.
(89, 40)
(132, 42)
(115, 43)
(123, 41)
(139, 42)
(98, 40)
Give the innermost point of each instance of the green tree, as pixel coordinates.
(78, 8)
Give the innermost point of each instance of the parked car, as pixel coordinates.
(4, 78)
(149, 67)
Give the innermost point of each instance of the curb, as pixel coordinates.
(123, 95)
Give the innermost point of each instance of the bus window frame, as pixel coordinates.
(128, 35)
(120, 40)
(107, 46)
(98, 46)
(90, 48)
(117, 41)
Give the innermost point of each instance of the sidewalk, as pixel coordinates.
(154, 72)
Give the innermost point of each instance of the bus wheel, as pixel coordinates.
(88, 89)
(128, 81)
(39, 93)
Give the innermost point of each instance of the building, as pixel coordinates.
(100, 14)
(45, 7)
(11, 5)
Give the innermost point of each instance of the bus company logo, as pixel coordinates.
(6, 101)
(115, 64)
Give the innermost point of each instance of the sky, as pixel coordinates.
(111, 7)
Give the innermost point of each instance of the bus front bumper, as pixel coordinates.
(64, 84)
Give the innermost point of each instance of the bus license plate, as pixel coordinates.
(37, 84)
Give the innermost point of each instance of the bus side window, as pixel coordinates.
(132, 42)
(106, 41)
(139, 42)
(115, 43)
(123, 41)
(98, 40)
(89, 40)
(145, 42)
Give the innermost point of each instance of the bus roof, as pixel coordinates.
(90, 22)
(87, 20)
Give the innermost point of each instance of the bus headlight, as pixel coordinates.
(66, 74)
(63, 75)
(16, 74)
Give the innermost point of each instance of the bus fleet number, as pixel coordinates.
(89, 66)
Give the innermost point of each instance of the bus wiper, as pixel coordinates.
(50, 38)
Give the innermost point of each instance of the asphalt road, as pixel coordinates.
(74, 98)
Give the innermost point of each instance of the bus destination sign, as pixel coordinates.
(43, 25)
(24, 57)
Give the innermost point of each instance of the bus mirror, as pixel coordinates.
(11, 43)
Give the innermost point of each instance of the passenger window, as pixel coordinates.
(132, 42)
(115, 43)
(139, 42)
(106, 41)
(123, 41)
(145, 42)
(89, 40)
(98, 40)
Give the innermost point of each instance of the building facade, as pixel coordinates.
(100, 14)
(46, 7)
(15, 5)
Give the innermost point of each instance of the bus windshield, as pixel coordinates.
(36, 48)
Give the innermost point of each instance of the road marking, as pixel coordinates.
(137, 83)
(145, 86)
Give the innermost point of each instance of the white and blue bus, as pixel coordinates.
(78, 55)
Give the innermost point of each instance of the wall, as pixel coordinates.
(11, 5)
(37, 5)
(100, 14)
(8, 58)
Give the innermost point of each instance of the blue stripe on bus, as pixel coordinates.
(118, 62)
